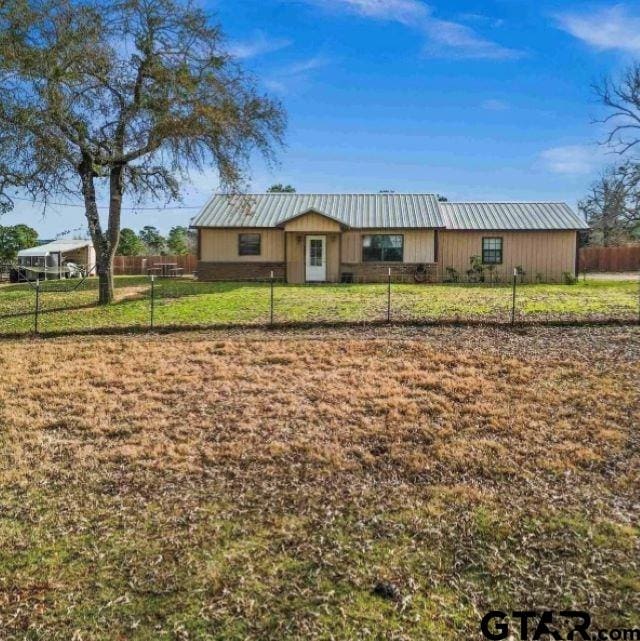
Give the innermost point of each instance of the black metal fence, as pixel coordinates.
(152, 303)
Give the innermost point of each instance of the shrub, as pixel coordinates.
(453, 276)
(476, 273)
(568, 278)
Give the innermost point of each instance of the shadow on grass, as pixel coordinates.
(48, 310)
(306, 325)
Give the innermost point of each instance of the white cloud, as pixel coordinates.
(404, 11)
(298, 68)
(494, 105)
(444, 37)
(259, 45)
(295, 73)
(275, 85)
(609, 28)
(481, 19)
(457, 40)
(572, 159)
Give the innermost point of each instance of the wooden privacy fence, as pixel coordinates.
(136, 265)
(620, 258)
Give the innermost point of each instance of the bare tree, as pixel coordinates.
(125, 96)
(612, 207)
(622, 100)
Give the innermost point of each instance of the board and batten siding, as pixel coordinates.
(221, 246)
(296, 263)
(548, 253)
(419, 245)
(311, 223)
(295, 258)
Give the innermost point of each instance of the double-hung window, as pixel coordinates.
(492, 251)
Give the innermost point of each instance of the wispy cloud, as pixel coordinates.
(303, 66)
(481, 19)
(283, 79)
(494, 105)
(444, 37)
(404, 11)
(613, 27)
(259, 45)
(460, 41)
(572, 159)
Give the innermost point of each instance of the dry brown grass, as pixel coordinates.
(222, 486)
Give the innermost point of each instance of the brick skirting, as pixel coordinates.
(362, 272)
(379, 272)
(239, 271)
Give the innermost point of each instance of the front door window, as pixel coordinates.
(315, 250)
(316, 259)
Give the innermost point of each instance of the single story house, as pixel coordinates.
(50, 260)
(358, 237)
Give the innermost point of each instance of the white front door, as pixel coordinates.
(316, 258)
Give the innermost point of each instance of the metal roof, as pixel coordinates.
(391, 211)
(505, 216)
(353, 210)
(54, 247)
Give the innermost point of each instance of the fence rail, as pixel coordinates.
(166, 304)
(620, 258)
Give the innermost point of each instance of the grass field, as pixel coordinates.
(251, 486)
(186, 302)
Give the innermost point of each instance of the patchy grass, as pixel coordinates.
(257, 486)
(186, 302)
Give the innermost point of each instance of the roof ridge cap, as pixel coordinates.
(504, 202)
(329, 193)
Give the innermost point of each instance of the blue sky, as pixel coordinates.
(486, 101)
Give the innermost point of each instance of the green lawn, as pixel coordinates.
(186, 302)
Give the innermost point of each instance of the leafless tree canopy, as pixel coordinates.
(622, 100)
(613, 204)
(129, 93)
(612, 207)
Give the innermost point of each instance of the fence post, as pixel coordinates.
(389, 297)
(271, 300)
(153, 302)
(37, 309)
(638, 297)
(513, 298)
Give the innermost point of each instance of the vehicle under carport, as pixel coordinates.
(55, 260)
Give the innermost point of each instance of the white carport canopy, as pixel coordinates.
(54, 247)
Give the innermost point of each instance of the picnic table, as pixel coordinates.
(166, 269)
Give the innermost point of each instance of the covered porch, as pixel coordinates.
(312, 248)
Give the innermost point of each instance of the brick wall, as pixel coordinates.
(379, 272)
(239, 271)
(362, 272)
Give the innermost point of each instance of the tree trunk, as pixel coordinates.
(105, 244)
(104, 266)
